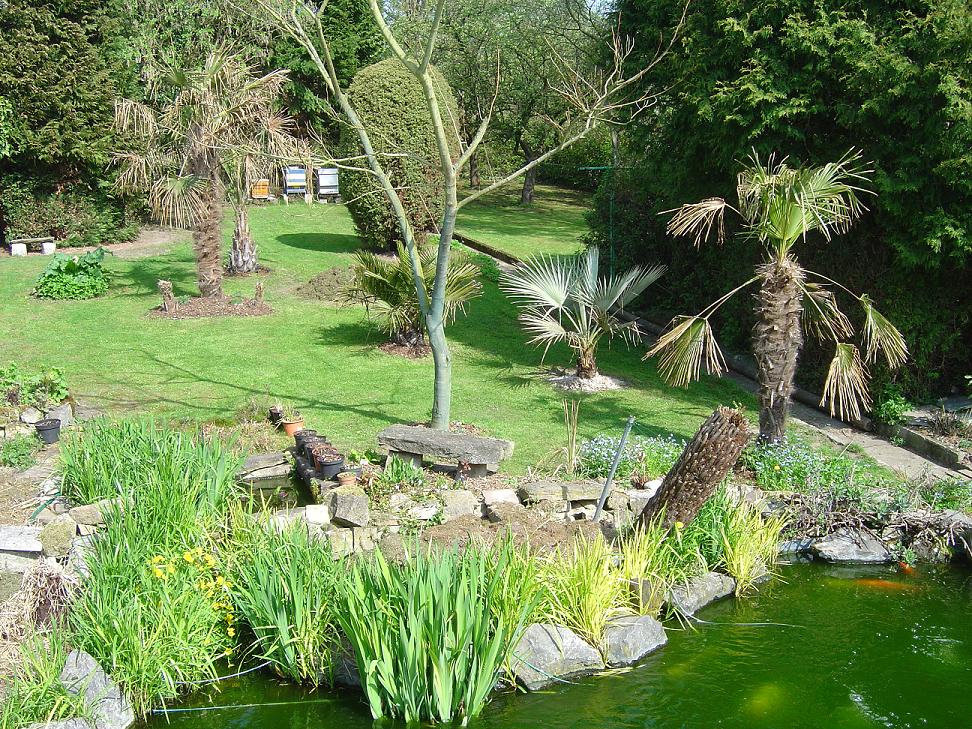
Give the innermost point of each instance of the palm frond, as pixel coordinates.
(133, 117)
(822, 317)
(684, 348)
(699, 220)
(178, 200)
(545, 280)
(845, 389)
(880, 335)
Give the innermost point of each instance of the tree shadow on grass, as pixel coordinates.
(320, 242)
(140, 277)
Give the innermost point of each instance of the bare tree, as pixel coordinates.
(594, 98)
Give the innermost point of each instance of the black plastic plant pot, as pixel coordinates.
(275, 415)
(310, 444)
(302, 436)
(49, 430)
(328, 470)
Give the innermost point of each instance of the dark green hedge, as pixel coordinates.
(389, 101)
(810, 79)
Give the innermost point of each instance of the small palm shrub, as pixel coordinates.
(387, 289)
(286, 591)
(73, 277)
(430, 635)
(564, 299)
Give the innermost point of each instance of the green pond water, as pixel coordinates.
(865, 654)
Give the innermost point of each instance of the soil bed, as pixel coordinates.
(198, 307)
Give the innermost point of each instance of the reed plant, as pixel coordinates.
(430, 635)
(750, 544)
(581, 588)
(286, 590)
(34, 693)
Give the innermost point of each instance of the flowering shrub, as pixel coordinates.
(643, 459)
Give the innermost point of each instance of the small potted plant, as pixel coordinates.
(275, 414)
(301, 438)
(291, 420)
(327, 461)
(347, 478)
(49, 430)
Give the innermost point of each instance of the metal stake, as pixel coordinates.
(614, 467)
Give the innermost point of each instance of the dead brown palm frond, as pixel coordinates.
(845, 389)
(699, 219)
(45, 593)
(821, 315)
(880, 335)
(684, 348)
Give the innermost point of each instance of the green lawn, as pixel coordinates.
(323, 359)
(554, 223)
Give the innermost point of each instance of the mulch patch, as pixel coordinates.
(198, 307)
(417, 351)
(327, 285)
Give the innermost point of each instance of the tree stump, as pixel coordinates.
(169, 303)
(706, 460)
(258, 292)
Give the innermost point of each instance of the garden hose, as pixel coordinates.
(223, 678)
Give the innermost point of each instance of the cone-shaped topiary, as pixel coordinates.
(390, 103)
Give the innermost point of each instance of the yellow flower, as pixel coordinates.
(228, 652)
(776, 467)
(170, 568)
(210, 560)
(227, 584)
(679, 525)
(231, 632)
(158, 572)
(188, 557)
(199, 551)
(158, 558)
(220, 580)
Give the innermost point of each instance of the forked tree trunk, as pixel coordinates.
(243, 253)
(777, 339)
(696, 475)
(205, 244)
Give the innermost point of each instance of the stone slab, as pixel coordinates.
(472, 449)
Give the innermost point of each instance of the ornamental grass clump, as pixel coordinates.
(35, 693)
(287, 592)
(581, 588)
(431, 634)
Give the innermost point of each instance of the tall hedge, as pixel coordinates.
(390, 103)
(810, 79)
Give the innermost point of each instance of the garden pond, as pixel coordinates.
(821, 646)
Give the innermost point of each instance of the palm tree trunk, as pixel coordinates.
(205, 244)
(700, 469)
(243, 254)
(586, 364)
(777, 339)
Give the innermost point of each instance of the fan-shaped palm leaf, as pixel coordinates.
(821, 315)
(699, 220)
(684, 348)
(880, 335)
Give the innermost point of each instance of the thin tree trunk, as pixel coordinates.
(530, 178)
(205, 244)
(777, 339)
(696, 475)
(243, 253)
(475, 180)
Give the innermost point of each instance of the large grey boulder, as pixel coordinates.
(31, 416)
(57, 535)
(62, 724)
(62, 412)
(458, 502)
(535, 491)
(262, 466)
(700, 591)
(547, 652)
(492, 497)
(629, 638)
(109, 708)
(349, 506)
(472, 449)
(588, 490)
(851, 545)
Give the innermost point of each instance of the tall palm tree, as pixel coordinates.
(386, 287)
(202, 137)
(780, 206)
(564, 299)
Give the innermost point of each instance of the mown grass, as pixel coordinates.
(553, 223)
(322, 359)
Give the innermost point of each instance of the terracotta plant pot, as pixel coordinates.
(292, 426)
(49, 430)
(347, 478)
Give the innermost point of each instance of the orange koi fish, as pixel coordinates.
(884, 584)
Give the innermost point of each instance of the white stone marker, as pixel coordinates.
(18, 249)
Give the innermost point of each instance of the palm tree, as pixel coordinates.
(204, 136)
(780, 206)
(564, 299)
(387, 288)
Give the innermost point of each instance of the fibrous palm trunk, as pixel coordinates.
(205, 244)
(586, 364)
(777, 339)
(700, 469)
(243, 253)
